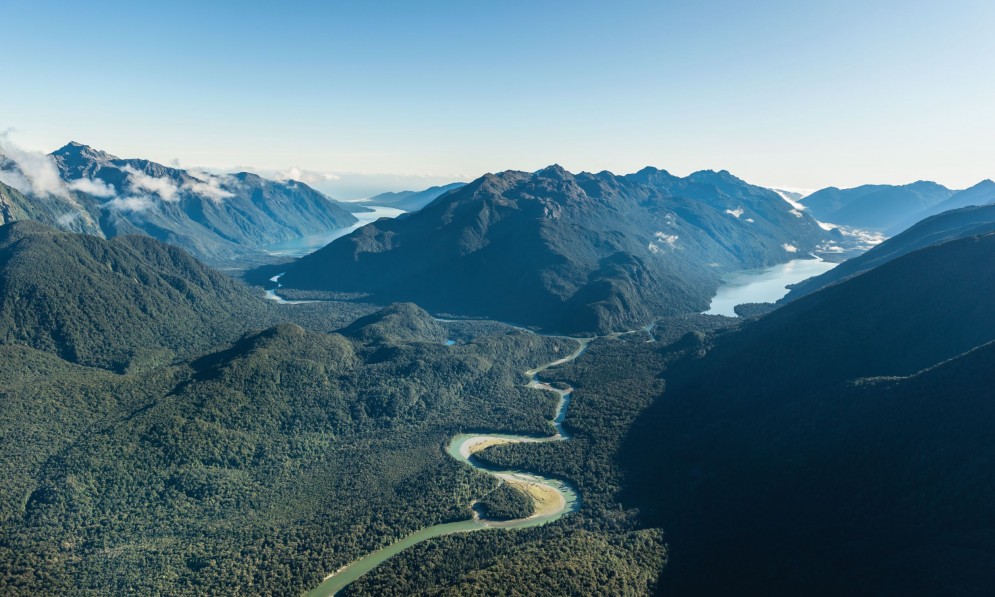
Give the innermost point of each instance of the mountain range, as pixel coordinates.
(573, 253)
(892, 208)
(218, 218)
(947, 226)
(413, 200)
(982, 193)
(876, 207)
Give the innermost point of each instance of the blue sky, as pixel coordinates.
(369, 96)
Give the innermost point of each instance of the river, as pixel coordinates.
(299, 247)
(556, 497)
(765, 285)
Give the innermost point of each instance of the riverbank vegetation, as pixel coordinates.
(239, 471)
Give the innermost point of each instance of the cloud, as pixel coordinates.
(208, 185)
(670, 239)
(735, 212)
(30, 172)
(796, 213)
(789, 248)
(97, 188)
(66, 220)
(140, 181)
(133, 204)
(309, 177)
(785, 193)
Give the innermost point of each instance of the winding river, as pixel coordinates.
(553, 497)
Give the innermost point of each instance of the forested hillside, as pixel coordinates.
(239, 471)
(833, 446)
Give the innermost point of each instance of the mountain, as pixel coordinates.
(413, 200)
(56, 210)
(218, 218)
(839, 445)
(982, 193)
(574, 253)
(113, 303)
(950, 225)
(876, 207)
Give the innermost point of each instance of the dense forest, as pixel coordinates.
(239, 471)
(839, 445)
(603, 549)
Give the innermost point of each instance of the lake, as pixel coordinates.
(763, 285)
(299, 247)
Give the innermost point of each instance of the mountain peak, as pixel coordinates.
(76, 150)
(554, 171)
(714, 176)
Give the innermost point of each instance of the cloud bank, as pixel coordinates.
(30, 172)
(95, 187)
(208, 185)
(164, 187)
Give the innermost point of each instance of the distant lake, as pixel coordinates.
(299, 247)
(763, 285)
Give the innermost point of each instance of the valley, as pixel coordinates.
(248, 440)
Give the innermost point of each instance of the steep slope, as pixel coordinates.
(877, 207)
(591, 252)
(413, 200)
(63, 211)
(216, 217)
(951, 225)
(200, 211)
(773, 470)
(111, 303)
(982, 193)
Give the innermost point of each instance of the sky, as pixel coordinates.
(366, 96)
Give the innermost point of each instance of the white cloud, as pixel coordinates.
(97, 188)
(735, 212)
(670, 239)
(789, 248)
(140, 181)
(139, 203)
(309, 177)
(29, 171)
(783, 193)
(653, 248)
(208, 185)
(796, 213)
(750, 220)
(65, 220)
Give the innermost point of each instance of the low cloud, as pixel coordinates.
(30, 172)
(208, 185)
(669, 239)
(97, 188)
(140, 181)
(66, 220)
(309, 177)
(130, 204)
(735, 212)
(789, 248)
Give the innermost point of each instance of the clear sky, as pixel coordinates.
(388, 94)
